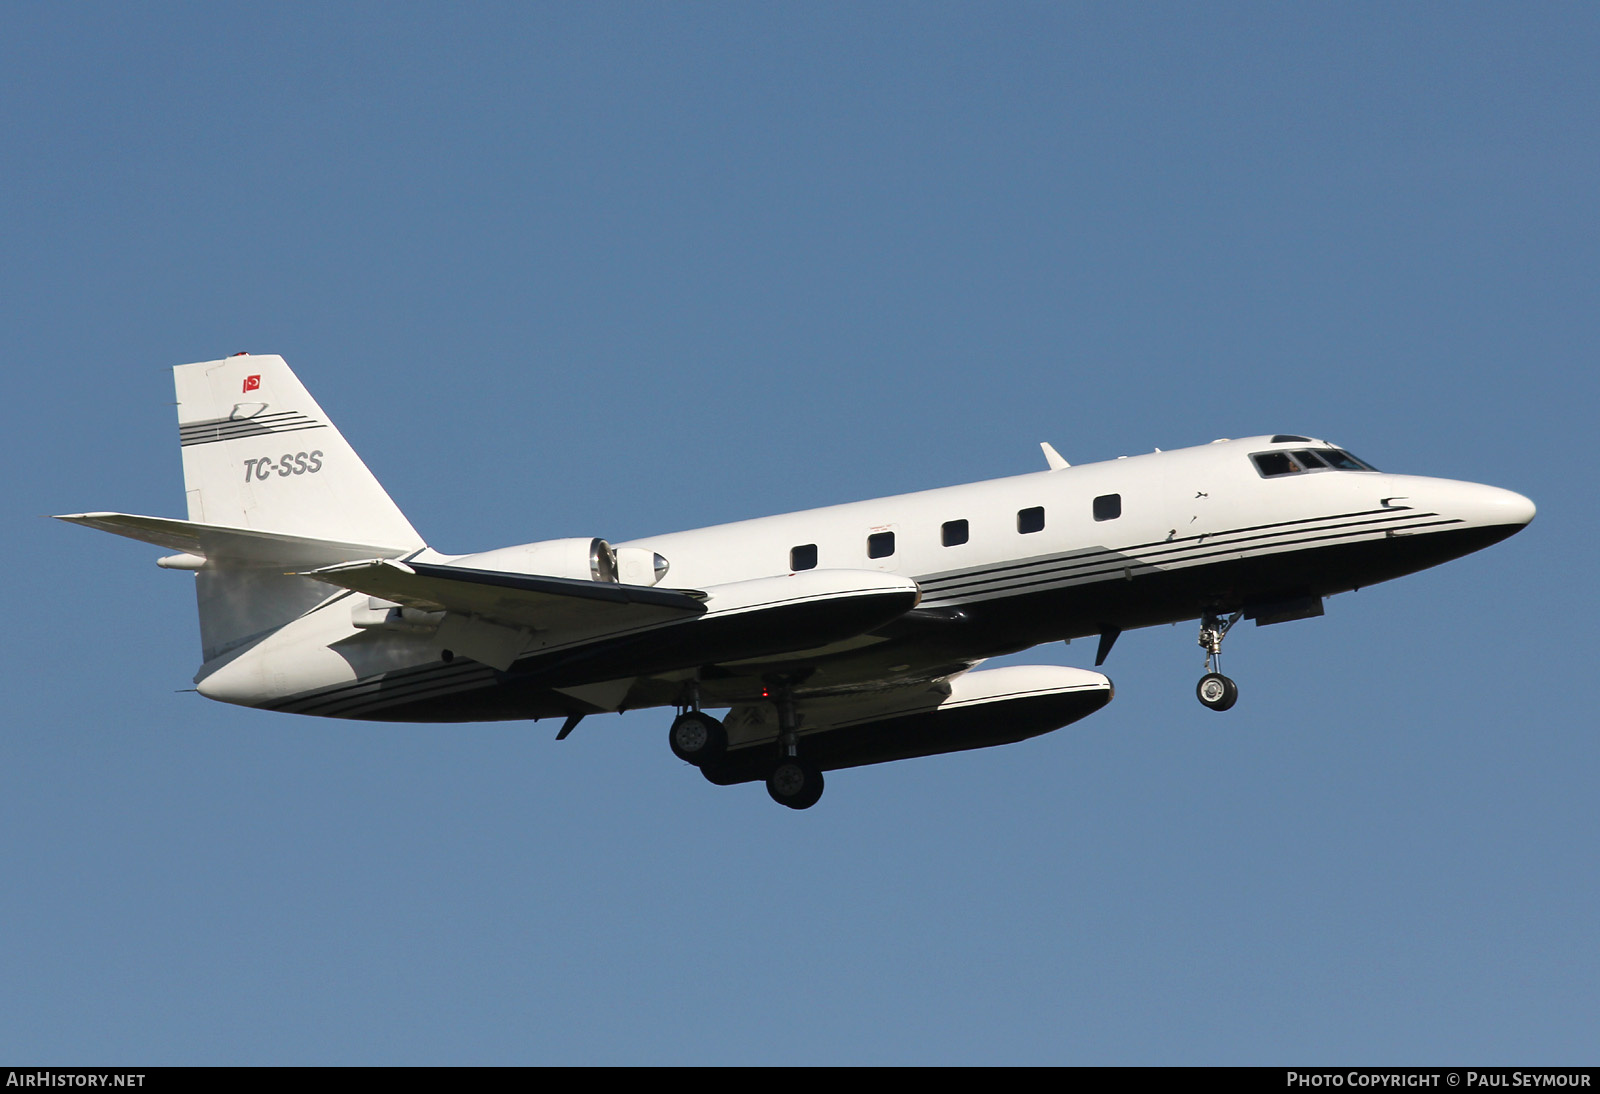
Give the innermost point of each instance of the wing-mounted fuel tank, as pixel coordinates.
(974, 710)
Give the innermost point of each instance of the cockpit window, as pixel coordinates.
(1346, 462)
(1273, 464)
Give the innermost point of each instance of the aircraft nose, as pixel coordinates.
(1474, 515)
(1494, 506)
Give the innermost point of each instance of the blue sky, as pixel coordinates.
(618, 269)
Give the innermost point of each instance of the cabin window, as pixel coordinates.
(803, 557)
(1030, 520)
(1108, 507)
(880, 545)
(953, 533)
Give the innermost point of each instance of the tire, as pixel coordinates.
(697, 738)
(1217, 691)
(718, 774)
(797, 785)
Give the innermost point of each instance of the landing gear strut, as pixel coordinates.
(793, 782)
(1216, 690)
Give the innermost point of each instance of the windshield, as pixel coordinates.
(1272, 464)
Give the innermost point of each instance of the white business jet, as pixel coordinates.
(833, 637)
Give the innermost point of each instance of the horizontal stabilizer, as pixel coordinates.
(521, 600)
(219, 544)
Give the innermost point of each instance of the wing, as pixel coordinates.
(581, 631)
(518, 600)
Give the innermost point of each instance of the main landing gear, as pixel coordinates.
(1216, 690)
(700, 739)
(793, 782)
(696, 737)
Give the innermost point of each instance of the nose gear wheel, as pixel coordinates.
(1215, 690)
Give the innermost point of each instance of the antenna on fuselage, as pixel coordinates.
(1052, 457)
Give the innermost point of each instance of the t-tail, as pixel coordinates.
(272, 486)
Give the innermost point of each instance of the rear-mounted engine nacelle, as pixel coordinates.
(577, 558)
(640, 566)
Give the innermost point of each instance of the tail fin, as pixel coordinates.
(272, 486)
(258, 452)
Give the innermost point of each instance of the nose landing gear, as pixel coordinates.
(1216, 690)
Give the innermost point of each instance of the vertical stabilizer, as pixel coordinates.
(259, 453)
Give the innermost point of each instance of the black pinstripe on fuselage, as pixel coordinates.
(1063, 595)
